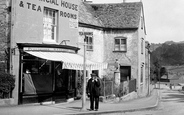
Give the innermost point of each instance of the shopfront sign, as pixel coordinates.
(60, 3)
(48, 49)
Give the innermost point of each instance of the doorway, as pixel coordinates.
(125, 73)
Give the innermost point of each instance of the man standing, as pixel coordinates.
(93, 91)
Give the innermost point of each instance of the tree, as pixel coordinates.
(163, 71)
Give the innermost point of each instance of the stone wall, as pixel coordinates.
(129, 58)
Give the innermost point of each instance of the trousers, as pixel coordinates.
(93, 99)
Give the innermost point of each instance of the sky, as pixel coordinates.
(164, 19)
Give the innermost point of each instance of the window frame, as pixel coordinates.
(142, 23)
(142, 73)
(89, 43)
(120, 44)
(50, 23)
(142, 45)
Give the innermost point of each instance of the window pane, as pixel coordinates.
(90, 40)
(117, 47)
(123, 47)
(117, 41)
(123, 41)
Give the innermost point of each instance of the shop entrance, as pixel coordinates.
(64, 83)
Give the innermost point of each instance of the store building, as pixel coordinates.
(44, 50)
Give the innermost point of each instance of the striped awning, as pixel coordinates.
(70, 60)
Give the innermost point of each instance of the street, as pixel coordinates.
(171, 103)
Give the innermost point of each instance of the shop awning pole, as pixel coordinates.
(84, 79)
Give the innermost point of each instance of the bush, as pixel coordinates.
(7, 83)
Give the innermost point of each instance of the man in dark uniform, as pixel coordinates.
(93, 91)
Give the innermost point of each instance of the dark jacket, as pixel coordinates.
(93, 88)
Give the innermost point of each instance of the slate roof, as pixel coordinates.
(119, 15)
(87, 15)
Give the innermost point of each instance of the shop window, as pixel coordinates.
(37, 76)
(50, 25)
(120, 44)
(89, 40)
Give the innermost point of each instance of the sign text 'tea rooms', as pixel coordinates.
(60, 3)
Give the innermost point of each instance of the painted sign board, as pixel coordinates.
(28, 21)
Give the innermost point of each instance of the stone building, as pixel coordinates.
(117, 32)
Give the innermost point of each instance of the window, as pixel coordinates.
(142, 23)
(142, 67)
(142, 46)
(120, 44)
(89, 40)
(50, 25)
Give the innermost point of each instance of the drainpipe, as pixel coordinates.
(12, 3)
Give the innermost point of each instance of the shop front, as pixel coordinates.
(50, 72)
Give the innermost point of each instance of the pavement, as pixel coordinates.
(74, 108)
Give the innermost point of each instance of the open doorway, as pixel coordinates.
(125, 73)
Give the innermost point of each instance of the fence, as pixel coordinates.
(125, 87)
(107, 87)
(132, 85)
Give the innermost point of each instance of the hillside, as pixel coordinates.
(168, 54)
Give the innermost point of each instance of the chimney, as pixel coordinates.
(124, 1)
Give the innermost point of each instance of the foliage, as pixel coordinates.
(167, 54)
(7, 83)
(163, 71)
(4, 35)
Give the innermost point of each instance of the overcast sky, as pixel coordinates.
(164, 19)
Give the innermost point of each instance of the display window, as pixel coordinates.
(37, 75)
(41, 77)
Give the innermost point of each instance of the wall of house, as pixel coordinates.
(129, 58)
(97, 54)
(141, 63)
(147, 70)
(28, 21)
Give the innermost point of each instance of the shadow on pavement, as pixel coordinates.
(174, 96)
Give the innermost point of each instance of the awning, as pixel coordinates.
(70, 60)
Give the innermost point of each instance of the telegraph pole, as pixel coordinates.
(84, 78)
